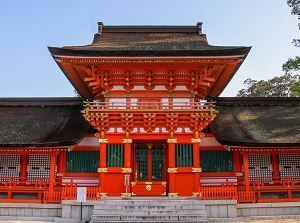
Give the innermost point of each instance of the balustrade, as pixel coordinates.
(98, 105)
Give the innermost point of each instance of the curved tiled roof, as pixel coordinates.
(149, 41)
(38, 122)
(257, 121)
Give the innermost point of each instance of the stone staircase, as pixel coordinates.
(149, 210)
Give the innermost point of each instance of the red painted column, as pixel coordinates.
(237, 163)
(127, 165)
(102, 165)
(149, 163)
(171, 169)
(275, 167)
(246, 172)
(23, 168)
(196, 165)
(61, 166)
(127, 155)
(52, 170)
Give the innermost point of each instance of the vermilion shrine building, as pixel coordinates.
(150, 122)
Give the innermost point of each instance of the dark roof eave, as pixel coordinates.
(97, 53)
(255, 101)
(256, 144)
(42, 101)
(40, 145)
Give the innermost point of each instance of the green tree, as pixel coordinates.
(293, 65)
(295, 89)
(295, 5)
(281, 86)
(287, 85)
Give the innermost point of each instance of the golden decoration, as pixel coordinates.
(172, 170)
(172, 140)
(148, 187)
(103, 194)
(197, 170)
(102, 170)
(126, 170)
(195, 140)
(127, 141)
(103, 140)
(195, 194)
(126, 195)
(173, 194)
(239, 174)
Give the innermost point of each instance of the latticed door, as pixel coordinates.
(149, 163)
(10, 167)
(260, 166)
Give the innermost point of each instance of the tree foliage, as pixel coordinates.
(295, 5)
(287, 85)
(282, 86)
(293, 65)
(296, 89)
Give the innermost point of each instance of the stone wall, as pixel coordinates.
(268, 209)
(221, 208)
(30, 211)
(71, 211)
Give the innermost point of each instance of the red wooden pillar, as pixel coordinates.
(23, 168)
(150, 163)
(127, 165)
(196, 166)
(102, 166)
(246, 172)
(275, 167)
(127, 155)
(52, 170)
(238, 169)
(171, 170)
(61, 166)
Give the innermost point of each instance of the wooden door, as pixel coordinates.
(150, 171)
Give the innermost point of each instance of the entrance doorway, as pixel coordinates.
(150, 170)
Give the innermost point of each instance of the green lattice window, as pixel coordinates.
(147, 157)
(158, 156)
(216, 161)
(115, 155)
(82, 161)
(184, 155)
(142, 161)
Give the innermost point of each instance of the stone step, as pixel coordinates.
(151, 221)
(146, 210)
(149, 212)
(152, 207)
(162, 218)
(149, 202)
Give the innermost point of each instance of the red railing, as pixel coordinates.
(70, 193)
(42, 191)
(99, 105)
(225, 187)
(224, 190)
(246, 196)
(288, 185)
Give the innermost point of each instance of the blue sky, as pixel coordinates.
(28, 27)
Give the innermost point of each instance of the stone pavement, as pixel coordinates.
(239, 221)
(12, 221)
